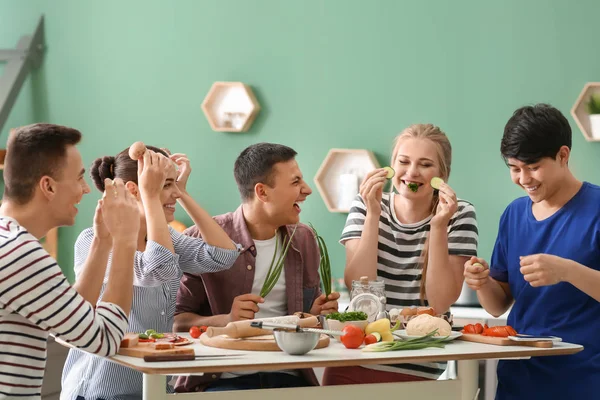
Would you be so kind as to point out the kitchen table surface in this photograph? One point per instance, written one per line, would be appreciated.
(462, 388)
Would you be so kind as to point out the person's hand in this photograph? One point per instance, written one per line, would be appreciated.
(183, 163)
(544, 269)
(152, 173)
(476, 273)
(100, 230)
(371, 190)
(447, 205)
(324, 305)
(120, 212)
(245, 306)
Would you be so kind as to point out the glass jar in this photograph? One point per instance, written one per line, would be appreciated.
(374, 305)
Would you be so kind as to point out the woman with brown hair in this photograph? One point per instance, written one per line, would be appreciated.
(162, 256)
(415, 239)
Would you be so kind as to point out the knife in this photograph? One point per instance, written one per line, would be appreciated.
(523, 337)
(184, 357)
(273, 326)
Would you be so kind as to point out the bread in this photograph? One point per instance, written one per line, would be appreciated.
(163, 346)
(425, 323)
(137, 150)
(130, 340)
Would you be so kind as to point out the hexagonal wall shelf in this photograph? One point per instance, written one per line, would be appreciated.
(580, 114)
(340, 175)
(230, 107)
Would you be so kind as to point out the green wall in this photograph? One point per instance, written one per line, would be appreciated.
(336, 73)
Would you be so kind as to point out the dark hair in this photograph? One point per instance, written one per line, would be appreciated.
(35, 151)
(121, 166)
(255, 165)
(535, 132)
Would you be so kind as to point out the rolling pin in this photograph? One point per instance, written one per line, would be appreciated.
(242, 329)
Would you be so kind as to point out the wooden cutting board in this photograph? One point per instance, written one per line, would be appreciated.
(147, 349)
(255, 343)
(471, 337)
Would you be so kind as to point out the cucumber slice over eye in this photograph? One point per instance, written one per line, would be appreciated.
(436, 182)
(390, 172)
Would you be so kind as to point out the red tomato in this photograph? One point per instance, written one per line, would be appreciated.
(195, 332)
(353, 337)
(370, 339)
(203, 329)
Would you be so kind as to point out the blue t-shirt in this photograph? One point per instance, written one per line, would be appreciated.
(573, 232)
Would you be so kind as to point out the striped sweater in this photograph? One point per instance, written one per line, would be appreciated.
(399, 259)
(36, 300)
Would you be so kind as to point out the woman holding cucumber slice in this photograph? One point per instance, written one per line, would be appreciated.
(162, 256)
(416, 238)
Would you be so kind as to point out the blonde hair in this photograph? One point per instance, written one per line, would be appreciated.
(444, 152)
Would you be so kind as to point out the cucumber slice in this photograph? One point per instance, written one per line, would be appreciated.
(377, 336)
(436, 182)
(390, 172)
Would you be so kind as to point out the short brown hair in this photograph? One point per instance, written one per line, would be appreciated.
(255, 164)
(35, 151)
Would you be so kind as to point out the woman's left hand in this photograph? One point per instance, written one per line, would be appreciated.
(446, 207)
(184, 169)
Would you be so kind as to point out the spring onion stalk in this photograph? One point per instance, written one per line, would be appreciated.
(324, 263)
(417, 343)
(276, 266)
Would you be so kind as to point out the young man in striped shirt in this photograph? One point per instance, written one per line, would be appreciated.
(44, 182)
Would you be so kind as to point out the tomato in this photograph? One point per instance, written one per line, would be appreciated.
(478, 328)
(203, 329)
(500, 331)
(353, 337)
(370, 339)
(195, 332)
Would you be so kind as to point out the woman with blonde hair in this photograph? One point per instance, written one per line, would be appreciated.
(415, 238)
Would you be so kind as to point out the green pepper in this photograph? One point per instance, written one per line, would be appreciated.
(156, 335)
(143, 336)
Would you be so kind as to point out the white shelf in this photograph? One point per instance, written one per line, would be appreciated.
(230, 107)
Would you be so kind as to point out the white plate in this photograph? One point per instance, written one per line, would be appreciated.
(401, 333)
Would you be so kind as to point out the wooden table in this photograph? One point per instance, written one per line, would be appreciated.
(464, 387)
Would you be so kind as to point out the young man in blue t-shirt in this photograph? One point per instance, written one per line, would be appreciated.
(546, 260)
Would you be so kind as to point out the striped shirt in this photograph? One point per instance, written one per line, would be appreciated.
(35, 300)
(399, 261)
(156, 282)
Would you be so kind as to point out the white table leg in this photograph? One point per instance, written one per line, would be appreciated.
(154, 387)
(468, 375)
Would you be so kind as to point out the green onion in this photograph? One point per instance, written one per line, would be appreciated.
(276, 266)
(324, 263)
(417, 343)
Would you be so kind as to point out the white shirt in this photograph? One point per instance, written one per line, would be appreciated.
(275, 304)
